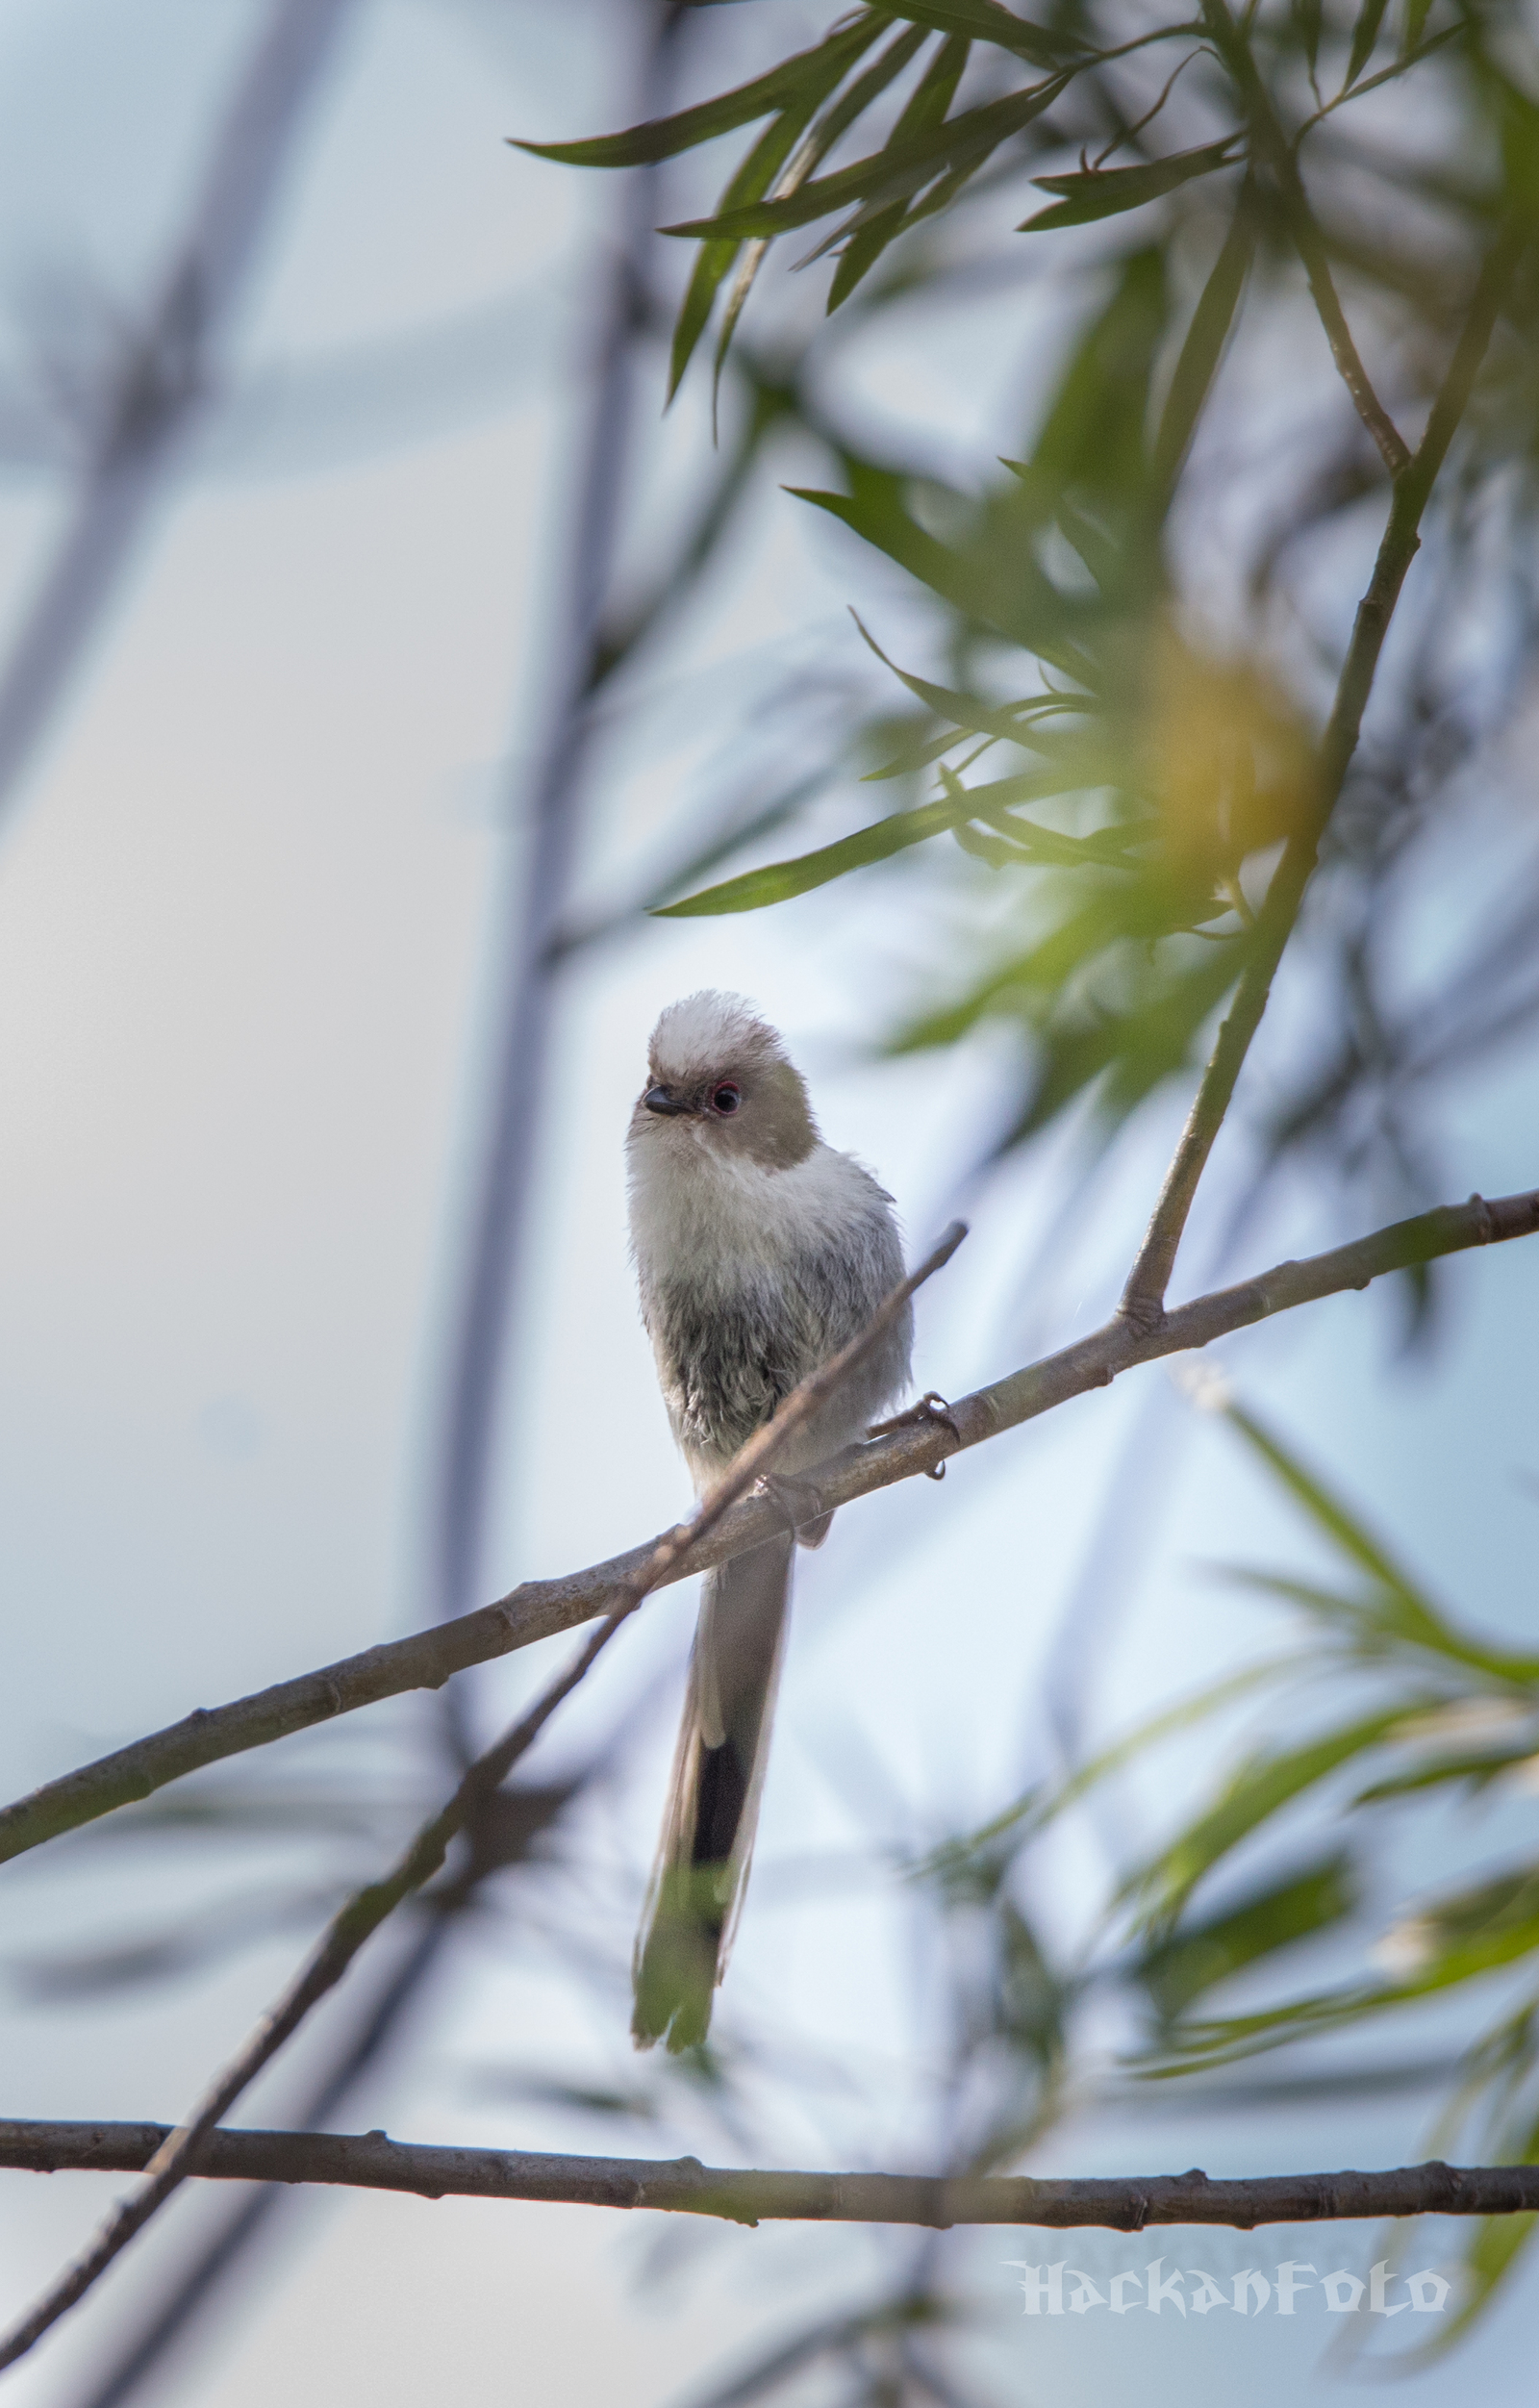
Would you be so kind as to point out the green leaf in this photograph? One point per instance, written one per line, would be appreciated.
(891, 174)
(1488, 2259)
(663, 138)
(1417, 12)
(828, 130)
(1108, 192)
(1478, 1767)
(1131, 1051)
(1093, 436)
(1205, 339)
(1197, 1957)
(1401, 1610)
(924, 110)
(1383, 1621)
(1310, 17)
(984, 20)
(1000, 588)
(714, 260)
(952, 1863)
(1012, 724)
(1323, 1510)
(779, 880)
(1365, 33)
(1258, 1790)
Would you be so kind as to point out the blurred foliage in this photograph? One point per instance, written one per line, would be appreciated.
(1423, 1712)
(1395, 1710)
(1137, 622)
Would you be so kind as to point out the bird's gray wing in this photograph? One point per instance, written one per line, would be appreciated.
(697, 1883)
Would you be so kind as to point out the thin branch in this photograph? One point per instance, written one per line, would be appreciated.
(539, 1608)
(372, 2161)
(1303, 226)
(364, 1914)
(1144, 1297)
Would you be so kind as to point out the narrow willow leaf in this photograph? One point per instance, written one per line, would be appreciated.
(1197, 1956)
(1106, 191)
(1479, 1771)
(1365, 33)
(924, 110)
(1260, 1790)
(1012, 724)
(1092, 438)
(984, 20)
(829, 129)
(1310, 17)
(1416, 16)
(1039, 1807)
(999, 851)
(1025, 609)
(1488, 2259)
(779, 880)
(1383, 1621)
(1205, 339)
(663, 138)
(714, 260)
(752, 181)
(1028, 986)
(1127, 1054)
(1323, 1508)
(886, 174)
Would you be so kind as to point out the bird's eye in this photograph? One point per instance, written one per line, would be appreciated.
(726, 1097)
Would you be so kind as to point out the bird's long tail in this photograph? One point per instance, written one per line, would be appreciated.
(697, 1883)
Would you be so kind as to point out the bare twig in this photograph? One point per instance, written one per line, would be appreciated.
(1144, 1297)
(1126, 2203)
(364, 1914)
(540, 1608)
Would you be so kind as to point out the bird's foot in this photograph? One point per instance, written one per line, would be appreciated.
(797, 1500)
(932, 1410)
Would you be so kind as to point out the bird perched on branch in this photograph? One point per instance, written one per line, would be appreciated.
(760, 1252)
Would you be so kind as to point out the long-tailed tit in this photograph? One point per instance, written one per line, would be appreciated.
(760, 1252)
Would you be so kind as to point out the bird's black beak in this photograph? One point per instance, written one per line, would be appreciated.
(664, 1100)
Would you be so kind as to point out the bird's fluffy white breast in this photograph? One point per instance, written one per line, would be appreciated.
(721, 1219)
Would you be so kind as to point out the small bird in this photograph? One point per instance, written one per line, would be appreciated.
(760, 1252)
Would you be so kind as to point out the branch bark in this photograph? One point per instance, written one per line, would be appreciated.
(1144, 1296)
(539, 1608)
(369, 1908)
(370, 2161)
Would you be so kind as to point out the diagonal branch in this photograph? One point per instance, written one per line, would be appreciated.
(364, 1914)
(539, 1608)
(1144, 1297)
(682, 2186)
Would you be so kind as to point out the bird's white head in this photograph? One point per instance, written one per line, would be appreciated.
(719, 1078)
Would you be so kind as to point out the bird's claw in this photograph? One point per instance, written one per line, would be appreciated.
(798, 1499)
(932, 1408)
